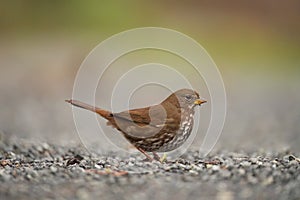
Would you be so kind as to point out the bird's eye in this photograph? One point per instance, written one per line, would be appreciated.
(188, 97)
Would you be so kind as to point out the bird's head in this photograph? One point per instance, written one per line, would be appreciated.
(185, 98)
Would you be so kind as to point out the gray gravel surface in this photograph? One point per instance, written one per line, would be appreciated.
(44, 171)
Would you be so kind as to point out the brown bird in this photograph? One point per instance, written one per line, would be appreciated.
(158, 128)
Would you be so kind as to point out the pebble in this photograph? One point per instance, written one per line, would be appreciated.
(97, 166)
(53, 169)
(254, 160)
(11, 155)
(293, 163)
(241, 175)
(215, 167)
(242, 171)
(245, 164)
(193, 172)
(4, 176)
(268, 181)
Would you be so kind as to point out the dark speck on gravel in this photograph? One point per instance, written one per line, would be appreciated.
(44, 171)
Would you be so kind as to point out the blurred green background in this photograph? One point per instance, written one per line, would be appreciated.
(255, 44)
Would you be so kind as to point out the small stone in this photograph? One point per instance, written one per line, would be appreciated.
(268, 181)
(259, 163)
(208, 166)
(215, 168)
(3, 163)
(28, 177)
(4, 176)
(39, 148)
(84, 164)
(288, 158)
(193, 172)
(242, 171)
(167, 168)
(98, 166)
(11, 155)
(267, 164)
(139, 164)
(131, 159)
(32, 173)
(77, 169)
(45, 146)
(245, 164)
(101, 162)
(254, 160)
(195, 167)
(130, 164)
(293, 162)
(53, 169)
(291, 157)
(182, 166)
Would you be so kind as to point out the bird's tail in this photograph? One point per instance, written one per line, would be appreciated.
(104, 113)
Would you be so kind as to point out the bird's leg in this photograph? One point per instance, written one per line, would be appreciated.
(156, 156)
(144, 152)
(160, 159)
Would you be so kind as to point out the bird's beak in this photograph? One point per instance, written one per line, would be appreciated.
(199, 101)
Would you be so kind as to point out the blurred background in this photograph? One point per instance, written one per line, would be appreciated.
(255, 44)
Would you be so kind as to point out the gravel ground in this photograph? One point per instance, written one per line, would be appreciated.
(44, 171)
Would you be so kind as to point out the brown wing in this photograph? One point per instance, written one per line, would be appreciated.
(144, 122)
(157, 115)
(139, 116)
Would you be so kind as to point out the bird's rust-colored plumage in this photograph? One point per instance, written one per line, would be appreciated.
(157, 128)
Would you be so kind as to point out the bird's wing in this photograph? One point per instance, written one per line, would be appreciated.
(139, 116)
(143, 122)
(154, 116)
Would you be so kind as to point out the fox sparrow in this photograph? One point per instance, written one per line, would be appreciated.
(158, 128)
